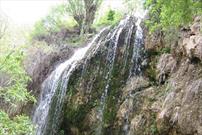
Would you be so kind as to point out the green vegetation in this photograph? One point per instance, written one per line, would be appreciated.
(13, 88)
(110, 17)
(74, 13)
(133, 5)
(18, 125)
(54, 22)
(167, 14)
(13, 91)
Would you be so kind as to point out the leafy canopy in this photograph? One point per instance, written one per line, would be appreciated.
(165, 14)
(56, 19)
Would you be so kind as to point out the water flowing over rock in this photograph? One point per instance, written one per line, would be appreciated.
(124, 41)
(93, 100)
(48, 113)
(118, 85)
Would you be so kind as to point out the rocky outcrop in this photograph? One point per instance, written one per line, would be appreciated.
(125, 88)
(94, 88)
(41, 63)
(164, 99)
(192, 45)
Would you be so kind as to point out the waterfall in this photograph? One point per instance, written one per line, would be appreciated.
(138, 51)
(124, 41)
(48, 112)
(136, 68)
(111, 55)
(113, 42)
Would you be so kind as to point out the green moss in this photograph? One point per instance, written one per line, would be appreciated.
(77, 115)
(154, 130)
(93, 79)
(153, 127)
(150, 72)
(165, 50)
(92, 76)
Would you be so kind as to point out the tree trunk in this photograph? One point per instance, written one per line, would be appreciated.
(90, 7)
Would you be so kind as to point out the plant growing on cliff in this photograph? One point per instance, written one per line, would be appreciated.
(110, 17)
(19, 125)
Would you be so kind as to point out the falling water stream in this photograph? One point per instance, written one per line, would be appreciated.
(136, 68)
(47, 114)
(113, 42)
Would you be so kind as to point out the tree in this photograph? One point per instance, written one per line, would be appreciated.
(133, 5)
(76, 9)
(83, 12)
(3, 25)
(91, 7)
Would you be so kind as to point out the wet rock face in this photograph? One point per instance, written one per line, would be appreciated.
(164, 99)
(41, 64)
(95, 87)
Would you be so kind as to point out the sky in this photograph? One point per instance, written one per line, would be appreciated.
(27, 12)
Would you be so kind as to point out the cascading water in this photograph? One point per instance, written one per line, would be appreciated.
(138, 51)
(113, 42)
(136, 68)
(124, 42)
(111, 55)
(47, 114)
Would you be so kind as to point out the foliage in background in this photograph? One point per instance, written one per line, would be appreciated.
(13, 86)
(68, 15)
(110, 17)
(19, 125)
(166, 14)
(83, 11)
(14, 91)
(133, 5)
(76, 9)
(57, 19)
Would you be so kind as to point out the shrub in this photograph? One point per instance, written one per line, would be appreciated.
(19, 125)
(110, 17)
(15, 91)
